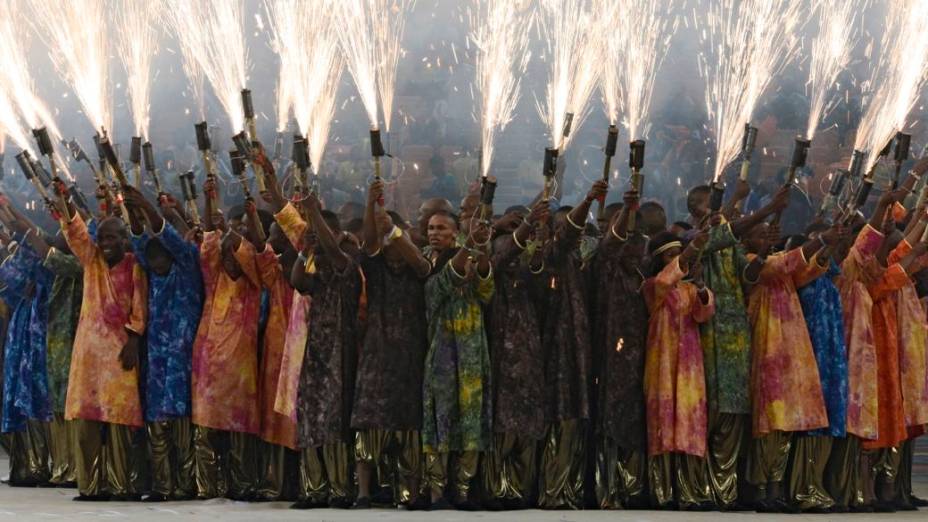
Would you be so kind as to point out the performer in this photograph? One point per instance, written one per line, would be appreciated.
(457, 409)
(510, 471)
(175, 304)
(620, 320)
(224, 384)
(387, 411)
(103, 386)
(326, 385)
(565, 336)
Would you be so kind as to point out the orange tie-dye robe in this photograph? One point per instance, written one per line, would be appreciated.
(114, 302)
(857, 270)
(275, 428)
(890, 415)
(913, 347)
(225, 354)
(786, 390)
(674, 378)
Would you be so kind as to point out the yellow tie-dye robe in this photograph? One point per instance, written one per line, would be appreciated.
(913, 350)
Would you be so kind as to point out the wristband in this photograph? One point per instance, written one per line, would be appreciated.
(578, 227)
(620, 238)
(515, 238)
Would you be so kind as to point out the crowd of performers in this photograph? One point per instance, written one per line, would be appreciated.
(471, 360)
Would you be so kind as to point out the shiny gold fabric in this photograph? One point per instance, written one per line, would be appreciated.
(437, 466)
(768, 458)
(806, 488)
(139, 461)
(61, 435)
(563, 461)
(242, 464)
(314, 484)
(680, 478)
(103, 468)
(842, 473)
(509, 468)
(172, 458)
(338, 465)
(885, 463)
(29, 455)
(620, 474)
(272, 465)
(210, 467)
(904, 478)
(726, 433)
(398, 457)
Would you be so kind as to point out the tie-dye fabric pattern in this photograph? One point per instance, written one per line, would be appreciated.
(65, 300)
(913, 354)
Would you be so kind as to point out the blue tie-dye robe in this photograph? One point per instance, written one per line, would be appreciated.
(821, 305)
(25, 376)
(175, 302)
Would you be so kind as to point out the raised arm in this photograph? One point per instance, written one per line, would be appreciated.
(618, 227)
(327, 239)
(778, 203)
(372, 243)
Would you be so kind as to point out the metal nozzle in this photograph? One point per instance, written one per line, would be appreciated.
(247, 106)
(242, 144)
(857, 163)
(612, 140)
(800, 153)
(25, 164)
(568, 122)
(863, 193)
(279, 146)
(43, 141)
(377, 149)
(184, 189)
(488, 191)
(636, 154)
(149, 156)
(838, 181)
(135, 150)
(98, 142)
(550, 165)
(300, 152)
(191, 185)
(903, 143)
(888, 148)
(238, 163)
(748, 140)
(716, 196)
(78, 198)
(203, 142)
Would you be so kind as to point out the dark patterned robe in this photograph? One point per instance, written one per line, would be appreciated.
(621, 323)
(327, 378)
(388, 394)
(515, 346)
(565, 335)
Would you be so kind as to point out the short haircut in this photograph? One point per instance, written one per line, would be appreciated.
(398, 220)
(697, 192)
(683, 225)
(331, 219)
(354, 226)
(450, 215)
(650, 206)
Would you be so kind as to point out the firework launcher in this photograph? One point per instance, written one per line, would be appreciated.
(188, 189)
(205, 145)
(248, 107)
(300, 157)
(901, 154)
(278, 149)
(148, 155)
(568, 124)
(46, 149)
(550, 170)
(135, 158)
(838, 182)
(800, 154)
(377, 151)
(79, 155)
(78, 198)
(28, 169)
(747, 149)
(109, 153)
(487, 192)
(636, 163)
(716, 195)
(238, 170)
(612, 139)
(246, 150)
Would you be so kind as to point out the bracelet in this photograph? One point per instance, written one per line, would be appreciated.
(822, 241)
(515, 238)
(540, 269)
(620, 238)
(394, 233)
(578, 227)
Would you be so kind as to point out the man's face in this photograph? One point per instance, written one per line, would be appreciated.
(469, 206)
(160, 263)
(111, 238)
(441, 232)
(756, 240)
(699, 205)
(229, 263)
(218, 220)
(277, 239)
(653, 221)
(428, 208)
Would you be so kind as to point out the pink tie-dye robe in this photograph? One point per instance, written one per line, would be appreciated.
(225, 354)
(913, 348)
(674, 378)
(786, 391)
(856, 271)
(114, 301)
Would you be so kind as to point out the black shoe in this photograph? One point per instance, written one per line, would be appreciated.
(819, 510)
(905, 505)
(494, 504)
(183, 497)
(128, 497)
(861, 509)
(91, 498)
(362, 503)
(421, 503)
(383, 496)
(839, 509)
(918, 502)
(466, 505)
(308, 504)
(884, 507)
(46, 485)
(155, 497)
(515, 504)
(702, 506)
(65, 485)
(239, 497)
(340, 503)
(441, 504)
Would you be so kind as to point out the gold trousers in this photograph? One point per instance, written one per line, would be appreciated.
(768, 458)
(173, 458)
(439, 468)
(325, 473)
(563, 463)
(277, 468)
(680, 478)
(510, 470)
(904, 479)
(843, 472)
(725, 448)
(806, 483)
(883, 466)
(29, 455)
(620, 475)
(225, 463)
(398, 457)
(103, 458)
(61, 435)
